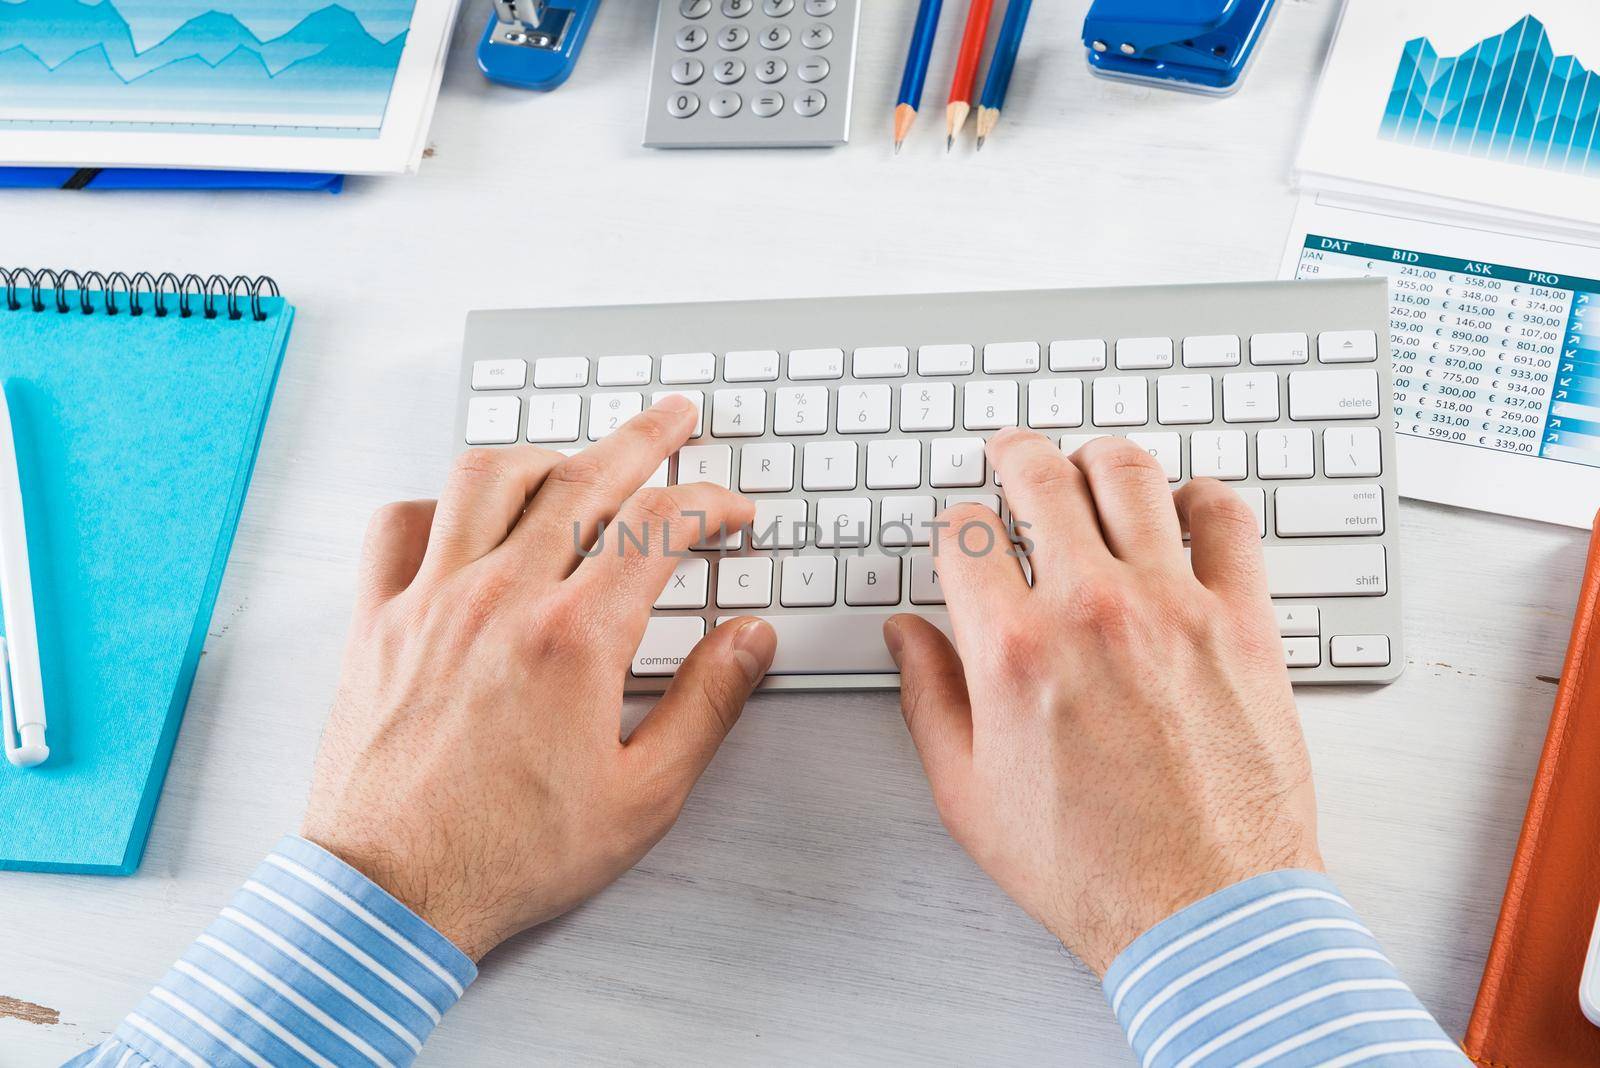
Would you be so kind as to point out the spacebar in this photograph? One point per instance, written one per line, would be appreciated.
(849, 643)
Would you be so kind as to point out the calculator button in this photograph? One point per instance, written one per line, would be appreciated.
(691, 39)
(737, 9)
(776, 9)
(729, 71)
(775, 38)
(813, 70)
(682, 105)
(819, 8)
(810, 104)
(772, 70)
(767, 104)
(694, 9)
(818, 36)
(687, 71)
(727, 104)
(733, 38)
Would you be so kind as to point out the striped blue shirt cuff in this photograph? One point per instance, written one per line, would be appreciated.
(1276, 970)
(311, 964)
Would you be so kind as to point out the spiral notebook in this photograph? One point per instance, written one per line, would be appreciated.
(138, 405)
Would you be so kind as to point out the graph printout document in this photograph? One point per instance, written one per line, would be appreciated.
(1489, 108)
(1496, 355)
(335, 86)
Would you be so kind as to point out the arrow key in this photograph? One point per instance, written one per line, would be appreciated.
(1359, 650)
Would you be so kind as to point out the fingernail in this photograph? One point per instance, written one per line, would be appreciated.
(753, 647)
(893, 638)
(1003, 435)
(673, 402)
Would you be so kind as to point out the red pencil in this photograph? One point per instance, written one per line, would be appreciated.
(966, 78)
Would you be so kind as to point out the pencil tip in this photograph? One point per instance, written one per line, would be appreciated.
(981, 140)
(949, 144)
(897, 145)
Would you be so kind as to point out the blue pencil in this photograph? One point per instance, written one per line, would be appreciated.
(916, 76)
(1001, 66)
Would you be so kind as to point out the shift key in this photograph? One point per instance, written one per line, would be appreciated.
(1327, 570)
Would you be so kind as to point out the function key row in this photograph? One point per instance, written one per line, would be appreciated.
(895, 361)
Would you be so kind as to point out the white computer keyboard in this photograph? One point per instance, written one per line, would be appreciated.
(852, 422)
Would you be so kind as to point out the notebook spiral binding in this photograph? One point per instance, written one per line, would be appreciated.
(39, 289)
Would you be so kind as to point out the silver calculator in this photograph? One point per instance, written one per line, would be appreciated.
(752, 74)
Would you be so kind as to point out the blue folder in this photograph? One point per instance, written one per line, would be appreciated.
(136, 438)
(157, 178)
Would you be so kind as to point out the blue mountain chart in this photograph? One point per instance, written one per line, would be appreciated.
(1508, 98)
(75, 64)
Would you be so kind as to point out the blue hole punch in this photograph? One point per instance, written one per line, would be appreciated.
(1200, 45)
(534, 44)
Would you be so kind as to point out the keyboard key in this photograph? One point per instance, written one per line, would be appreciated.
(844, 522)
(801, 410)
(945, 360)
(1088, 354)
(1328, 511)
(894, 465)
(811, 365)
(499, 374)
(780, 524)
(1166, 448)
(554, 417)
(622, 371)
(766, 468)
(561, 372)
(1121, 402)
(1268, 350)
(744, 582)
(829, 465)
(989, 405)
(687, 586)
(1326, 570)
(1071, 443)
(1054, 403)
(1250, 397)
(1352, 452)
(1143, 353)
(957, 462)
(694, 395)
(1284, 454)
(687, 368)
(662, 476)
(807, 582)
(1011, 358)
(1298, 620)
(1217, 454)
(883, 361)
(846, 643)
(988, 500)
(1184, 399)
(608, 411)
(864, 410)
(667, 642)
(1254, 497)
(760, 365)
(905, 521)
(706, 463)
(1349, 346)
(739, 413)
(493, 420)
(928, 406)
(872, 581)
(1211, 350)
(1333, 395)
(1302, 652)
(1359, 650)
(925, 585)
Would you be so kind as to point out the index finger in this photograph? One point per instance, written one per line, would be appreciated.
(979, 570)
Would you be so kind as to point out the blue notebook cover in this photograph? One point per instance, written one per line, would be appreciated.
(136, 438)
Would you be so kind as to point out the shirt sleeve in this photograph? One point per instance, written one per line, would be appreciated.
(311, 964)
(1276, 970)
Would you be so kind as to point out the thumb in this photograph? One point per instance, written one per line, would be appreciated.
(933, 699)
(683, 732)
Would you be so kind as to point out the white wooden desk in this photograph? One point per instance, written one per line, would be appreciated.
(808, 908)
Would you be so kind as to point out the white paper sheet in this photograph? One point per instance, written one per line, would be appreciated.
(1496, 355)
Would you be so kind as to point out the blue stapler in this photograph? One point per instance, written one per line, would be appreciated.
(534, 44)
(1200, 45)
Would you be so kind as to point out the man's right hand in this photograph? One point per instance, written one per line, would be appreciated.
(1118, 740)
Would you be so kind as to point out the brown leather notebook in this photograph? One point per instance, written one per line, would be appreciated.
(1527, 1013)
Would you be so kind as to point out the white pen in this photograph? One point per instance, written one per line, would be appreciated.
(21, 686)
